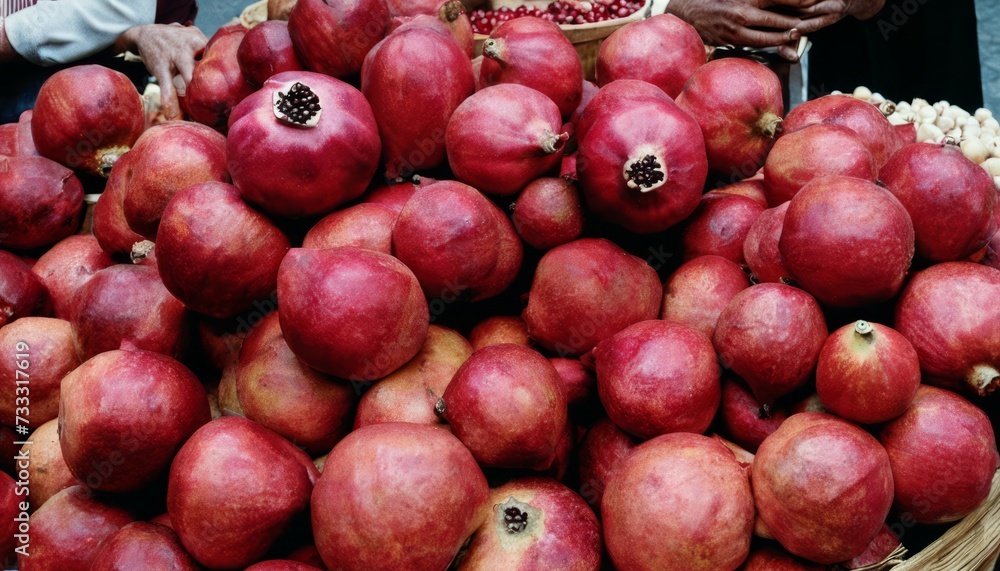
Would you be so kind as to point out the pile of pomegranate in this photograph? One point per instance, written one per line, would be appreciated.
(377, 306)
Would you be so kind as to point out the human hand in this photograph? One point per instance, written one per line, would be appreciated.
(827, 12)
(168, 51)
(739, 22)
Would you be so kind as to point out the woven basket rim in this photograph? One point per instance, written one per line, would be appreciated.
(639, 14)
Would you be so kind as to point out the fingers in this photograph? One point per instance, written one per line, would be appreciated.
(168, 96)
(812, 25)
(185, 65)
(757, 18)
(825, 7)
(800, 4)
(788, 52)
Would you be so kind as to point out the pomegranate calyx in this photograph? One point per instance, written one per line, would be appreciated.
(769, 125)
(493, 49)
(863, 328)
(985, 379)
(887, 108)
(140, 251)
(108, 159)
(452, 10)
(553, 143)
(645, 173)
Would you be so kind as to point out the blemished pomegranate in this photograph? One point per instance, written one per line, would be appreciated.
(110, 226)
(949, 314)
(46, 347)
(612, 97)
(522, 432)
(742, 419)
(600, 451)
(950, 199)
(719, 226)
(698, 291)
(48, 471)
(336, 322)
(266, 50)
(374, 479)
(737, 103)
(841, 494)
(549, 213)
(862, 117)
(867, 373)
(497, 330)
(332, 37)
(586, 291)
(42, 202)
(447, 17)
(943, 455)
(578, 380)
(663, 50)
(760, 248)
(87, 116)
(303, 145)
(847, 241)
(22, 292)
(217, 82)
(771, 336)
(367, 226)
(67, 266)
(143, 545)
(655, 484)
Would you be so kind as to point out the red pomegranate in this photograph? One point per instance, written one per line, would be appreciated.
(15, 138)
(698, 291)
(604, 446)
(991, 257)
(143, 545)
(760, 248)
(110, 226)
(774, 558)
(281, 565)
(742, 419)
(48, 472)
(549, 213)
(859, 116)
(67, 266)
(395, 195)
(217, 82)
(880, 549)
(719, 226)
(87, 116)
(611, 97)
(663, 50)
(497, 330)
(294, 160)
(41, 203)
(266, 50)
(367, 226)
(332, 37)
(589, 90)
(447, 17)
(45, 347)
(752, 188)
(22, 292)
(578, 380)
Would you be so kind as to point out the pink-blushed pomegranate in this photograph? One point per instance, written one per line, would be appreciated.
(950, 199)
(642, 165)
(497, 330)
(110, 225)
(839, 496)
(771, 336)
(167, 159)
(42, 352)
(504, 137)
(760, 247)
(217, 82)
(859, 116)
(395, 195)
(10, 510)
(814, 152)
(698, 291)
(22, 292)
(742, 419)
(266, 50)
(535, 53)
(991, 255)
(143, 545)
(943, 454)
(719, 226)
(847, 241)
(335, 321)
(215, 253)
(906, 134)
(87, 116)
(657, 377)
(537, 523)
(578, 380)
(281, 393)
(414, 80)
(303, 145)
(613, 95)
(687, 487)
(447, 17)
(366, 225)
(737, 103)
(774, 558)
(458, 244)
(586, 291)
(949, 314)
(879, 550)
(67, 266)
(603, 447)
(47, 471)
(15, 138)
(281, 565)
(378, 479)
(549, 213)
(752, 188)
(333, 36)
(663, 50)
(42, 202)
(867, 373)
(234, 487)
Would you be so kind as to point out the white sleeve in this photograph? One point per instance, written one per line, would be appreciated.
(63, 31)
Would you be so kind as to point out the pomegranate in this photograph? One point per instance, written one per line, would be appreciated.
(22, 292)
(867, 373)
(774, 558)
(234, 488)
(760, 248)
(840, 495)
(950, 199)
(217, 83)
(604, 446)
(742, 419)
(47, 470)
(949, 314)
(752, 188)
(588, 91)
(266, 50)
(612, 97)
(414, 80)
(500, 431)
(991, 256)
(42, 202)
(142, 545)
(504, 137)
(110, 226)
(698, 291)
(536, 523)
(281, 565)
(446, 17)
(333, 36)
(458, 244)
(943, 455)
(87, 116)
(879, 550)
(737, 102)
(847, 241)
(363, 505)
(229, 400)
(67, 266)
(498, 330)
(395, 195)
(771, 336)
(10, 510)
(657, 377)
(859, 116)
(813, 152)
(534, 53)
(663, 50)
(586, 291)
(577, 379)
(15, 138)
(335, 321)
(562, 13)
(367, 226)
(294, 160)
(687, 487)
(548, 213)
(41, 353)
(719, 226)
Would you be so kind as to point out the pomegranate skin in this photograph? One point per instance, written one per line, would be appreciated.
(143, 545)
(48, 471)
(950, 199)
(609, 98)
(22, 292)
(397, 496)
(774, 558)
(771, 336)
(879, 550)
(742, 419)
(497, 330)
(395, 195)
(267, 50)
(10, 509)
(687, 487)
(698, 291)
(992, 255)
(458, 244)
(752, 188)
(663, 50)
(15, 138)
(448, 18)
(67, 266)
(943, 455)
(414, 80)
(367, 226)
(87, 116)
(760, 248)
(604, 446)
(657, 377)
(847, 241)
(336, 322)
(814, 152)
(110, 226)
(737, 103)
(534, 53)
(867, 373)
(578, 380)
(549, 213)
(503, 137)
(949, 314)
(719, 226)
(332, 37)
(217, 83)
(859, 116)
(42, 202)
(45, 347)
(281, 565)
(586, 291)
(292, 171)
